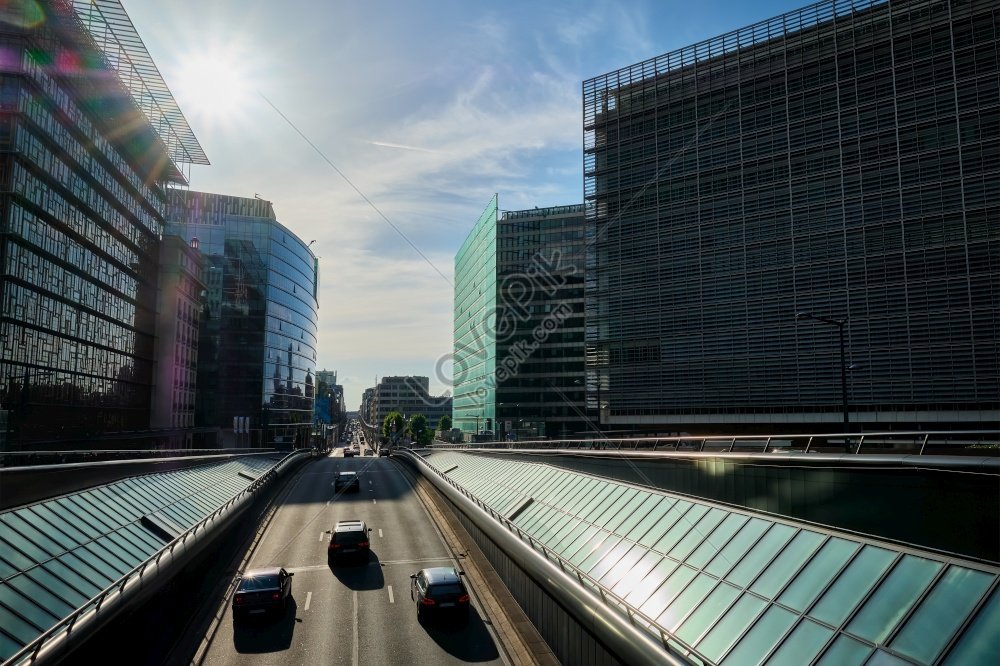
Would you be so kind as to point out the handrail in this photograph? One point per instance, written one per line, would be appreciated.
(30, 652)
(919, 441)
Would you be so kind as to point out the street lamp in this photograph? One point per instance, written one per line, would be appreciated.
(839, 323)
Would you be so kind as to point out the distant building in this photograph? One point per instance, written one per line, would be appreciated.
(258, 338)
(519, 302)
(178, 319)
(839, 161)
(409, 395)
(86, 153)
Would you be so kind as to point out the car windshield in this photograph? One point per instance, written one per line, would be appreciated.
(443, 590)
(266, 582)
(350, 537)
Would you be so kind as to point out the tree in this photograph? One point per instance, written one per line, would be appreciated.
(393, 419)
(419, 429)
(444, 423)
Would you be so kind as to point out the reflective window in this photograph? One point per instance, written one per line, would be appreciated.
(668, 591)
(611, 559)
(702, 529)
(636, 517)
(728, 630)
(614, 574)
(627, 512)
(852, 585)
(660, 527)
(787, 564)
(845, 651)
(760, 555)
(979, 643)
(707, 612)
(802, 645)
(737, 547)
(801, 592)
(644, 578)
(893, 598)
(697, 590)
(683, 525)
(763, 635)
(941, 612)
(717, 540)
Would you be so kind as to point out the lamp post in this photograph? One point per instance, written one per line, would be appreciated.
(839, 323)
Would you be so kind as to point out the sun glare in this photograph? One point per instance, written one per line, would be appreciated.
(215, 87)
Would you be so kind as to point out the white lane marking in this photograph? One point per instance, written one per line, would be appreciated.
(309, 596)
(373, 501)
(355, 653)
(321, 535)
(391, 600)
(380, 533)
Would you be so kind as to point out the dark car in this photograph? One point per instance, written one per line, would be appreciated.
(440, 591)
(347, 481)
(348, 452)
(262, 592)
(349, 540)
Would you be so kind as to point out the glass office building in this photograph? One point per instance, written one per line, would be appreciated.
(541, 390)
(519, 354)
(89, 135)
(257, 347)
(474, 362)
(842, 162)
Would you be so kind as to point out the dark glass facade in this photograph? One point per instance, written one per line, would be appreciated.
(842, 160)
(541, 389)
(519, 352)
(81, 209)
(257, 346)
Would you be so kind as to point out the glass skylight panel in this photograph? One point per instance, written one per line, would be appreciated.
(978, 645)
(760, 555)
(683, 603)
(737, 547)
(683, 525)
(615, 509)
(643, 578)
(41, 595)
(802, 645)
(762, 636)
(806, 586)
(22, 631)
(941, 612)
(727, 630)
(599, 501)
(695, 535)
(29, 532)
(26, 608)
(614, 574)
(894, 597)
(598, 553)
(633, 516)
(668, 591)
(852, 585)
(661, 527)
(707, 612)
(46, 578)
(611, 559)
(647, 524)
(588, 541)
(787, 563)
(717, 539)
(570, 541)
(87, 587)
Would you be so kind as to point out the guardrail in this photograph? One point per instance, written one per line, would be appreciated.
(632, 648)
(132, 582)
(947, 442)
(32, 458)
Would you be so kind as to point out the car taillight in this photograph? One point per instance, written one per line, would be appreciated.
(334, 546)
(427, 601)
(238, 599)
(275, 595)
(362, 544)
(464, 599)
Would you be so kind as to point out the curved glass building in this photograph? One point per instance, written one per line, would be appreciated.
(257, 352)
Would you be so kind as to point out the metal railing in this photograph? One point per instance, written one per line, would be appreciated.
(939, 442)
(31, 652)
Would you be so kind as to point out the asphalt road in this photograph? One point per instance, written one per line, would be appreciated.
(351, 613)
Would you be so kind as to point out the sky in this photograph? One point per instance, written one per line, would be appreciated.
(380, 129)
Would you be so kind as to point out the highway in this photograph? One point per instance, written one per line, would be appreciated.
(340, 614)
(350, 613)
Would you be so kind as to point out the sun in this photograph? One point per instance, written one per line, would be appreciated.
(215, 87)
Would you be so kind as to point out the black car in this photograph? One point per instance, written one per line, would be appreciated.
(348, 452)
(440, 591)
(262, 592)
(347, 481)
(349, 540)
